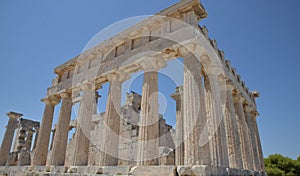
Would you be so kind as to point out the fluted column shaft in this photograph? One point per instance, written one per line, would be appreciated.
(179, 143)
(261, 166)
(148, 151)
(218, 135)
(109, 155)
(196, 146)
(249, 121)
(7, 140)
(62, 130)
(41, 150)
(232, 135)
(243, 131)
(82, 136)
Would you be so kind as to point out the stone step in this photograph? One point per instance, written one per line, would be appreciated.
(197, 170)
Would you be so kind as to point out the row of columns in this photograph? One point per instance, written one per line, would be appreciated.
(210, 133)
(203, 136)
(147, 151)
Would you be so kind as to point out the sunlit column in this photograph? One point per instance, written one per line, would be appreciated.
(62, 130)
(84, 123)
(8, 136)
(109, 156)
(148, 151)
(41, 150)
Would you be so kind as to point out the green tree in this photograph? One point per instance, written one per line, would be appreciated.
(278, 165)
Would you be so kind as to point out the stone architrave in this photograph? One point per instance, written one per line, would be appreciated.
(179, 143)
(243, 131)
(109, 155)
(196, 146)
(148, 139)
(217, 127)
(59, 146)
(41, 150)
(232, 136)
(8, 136)
(82, 136)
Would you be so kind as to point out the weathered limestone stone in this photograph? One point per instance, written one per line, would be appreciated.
(149, 129)
(29, 137)
(8, 136)
(82, 135)
(243, 131)
(112, 120)
(232, 136)
(62, 129)
(196, 149)
(24, 157)
(166, 156)
(41, 150)
(153, 170)
(218, 145)
(113, 170)
(214, 134)
(179, 143)
(249, 121)
(261, 166)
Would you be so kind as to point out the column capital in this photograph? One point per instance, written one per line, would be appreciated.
(87, 85)
(249, 108)
(65, 95)
(119, 75)
(178, 93)
(212, 70)
(51, 100)
(252, 110)
(152, 64)
(255, 94)
(238, 98)
(229, 84)
(14, 115)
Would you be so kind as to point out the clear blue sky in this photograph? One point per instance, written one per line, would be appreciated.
(260, 37)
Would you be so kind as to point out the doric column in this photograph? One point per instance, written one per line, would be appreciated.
(218, 143)
(254, 149)
(109, 155)
(243, 131)
(41, 150)
(261, 166)
(28, 141)
(83, 129)
(60, 142)
(179, 143)
(196, 145)
(148, 151)
(232, 135)
(8, 136)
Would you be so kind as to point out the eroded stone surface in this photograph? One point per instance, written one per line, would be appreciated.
(205, 143)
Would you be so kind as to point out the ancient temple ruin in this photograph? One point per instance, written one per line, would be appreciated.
(216, 131)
